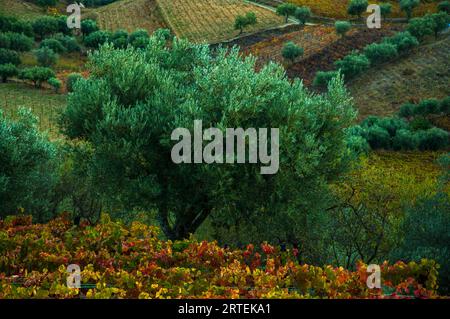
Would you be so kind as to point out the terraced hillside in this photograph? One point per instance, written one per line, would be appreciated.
(423, 74)
(129, 15)
(338, 8)
(19, 8)
(212, 20)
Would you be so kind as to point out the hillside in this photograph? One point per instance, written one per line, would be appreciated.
(212, 20)
(20, 8)
(423, 74)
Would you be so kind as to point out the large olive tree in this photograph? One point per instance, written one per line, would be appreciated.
(128, 108)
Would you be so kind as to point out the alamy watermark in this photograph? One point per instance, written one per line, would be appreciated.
(74, 20)
(235, 139)
(74, 276)
(374, 279)
(374, 20)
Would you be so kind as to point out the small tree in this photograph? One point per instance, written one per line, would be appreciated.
(303, 14)
(9, 56)
(53, 44)
(242, 22)
(380, 52)
(357, 7)
(45, 26)
(444, 6)
(46, 56)
(37, 75)
(440, 22)
(421, 27)
(408, 6)
(404, 41)
(7, 71)
(342, 27)
(323, 78)
(55, 83)
(97, 38)
(19, 42)
(352, 65)
(385, 9)
(291, 51)
(88, 26)
(286, 10)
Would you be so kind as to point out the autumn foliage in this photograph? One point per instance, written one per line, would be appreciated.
(120, 261)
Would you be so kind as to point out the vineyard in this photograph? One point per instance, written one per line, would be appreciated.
(338, 8)
(129, 15)
(212, 20)
(132, 262)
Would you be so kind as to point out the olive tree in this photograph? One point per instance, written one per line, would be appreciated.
(134, 99)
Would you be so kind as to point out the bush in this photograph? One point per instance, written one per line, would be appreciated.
(71, 80)
(9, 56)
(378, 53)
(404, 41)
(421, 27)
(303, 14)
(97, 38)
(55, 83)
(45, 25)
(69, 43)
(420, 123)
(440, 20)
(286, 10)
(425, 107)
(7, 70)
(444, 6)
(405, 140)
(88, 26)
(385, 9)
(16, 41)
(37, 75)
(242, 22)
(392, 124)
(408, 6)
(12, 24)
(342, 27)
(53, 44)
(445, 105)
(27, 167)
(291, 51)
(407, 110)
(46, 57)
(46, 3)
(357, 7)
(378, 137)
(357, 145)
(323, 78)
(433, 139)
(352, 65)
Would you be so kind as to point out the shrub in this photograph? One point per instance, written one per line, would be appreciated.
(242, 22)
(342, 27)
(357, 145)
(55, 83)
(407, 110)
(12, 24)
(440, 22)
(69, 43)
(386, 9)
(420, 123)
(88, 26)
(433, 139)
(408, 6)
(7, 70)
(71, 80)
(27, 167)
(378, 53)
(392, 124)
(5, 43)
(421, 27)
(445, 105)
(53, 44)
(378, 137)
(405, 140)
(291, 51)
(444, 6)
(352, 65)
(46, 3)
(46, 57)
(430, 106)
(19, 42)
(404, 41)
(323, 78)
(45, 25)
(357, 7)
(37, 75)
(139, 33)
(9, 56)
(97, 38)
(286, 10)
(302, 14)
